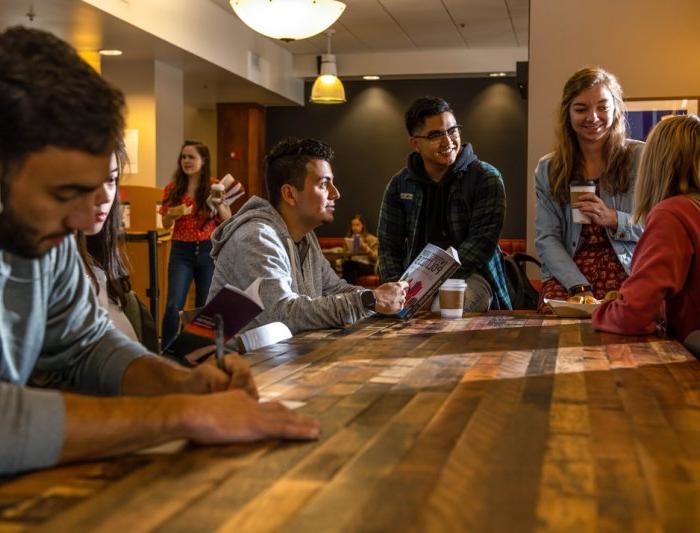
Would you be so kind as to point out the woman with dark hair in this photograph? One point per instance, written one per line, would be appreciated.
(106, 266)
(664, 286)
(195, 214)
(591, 255)
(360, 240)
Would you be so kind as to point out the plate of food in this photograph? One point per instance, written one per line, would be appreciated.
(566, 309)
(578, 306)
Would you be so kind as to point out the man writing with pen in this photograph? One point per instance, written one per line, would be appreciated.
(59, 122)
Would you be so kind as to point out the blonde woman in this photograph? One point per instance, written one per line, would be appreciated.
(665, 277)
(592, 258)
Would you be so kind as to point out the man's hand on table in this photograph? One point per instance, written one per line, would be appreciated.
(390, 297)
(233, 416)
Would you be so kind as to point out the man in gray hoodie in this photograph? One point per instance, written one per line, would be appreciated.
(59, 123)
(274, 240)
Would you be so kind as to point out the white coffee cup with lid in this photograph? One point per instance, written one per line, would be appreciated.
(577, 189)
(451, 297)
(217, 190)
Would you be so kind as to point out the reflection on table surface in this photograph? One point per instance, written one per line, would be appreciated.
(500, 422)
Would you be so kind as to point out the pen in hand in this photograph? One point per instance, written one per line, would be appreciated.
(219, 341)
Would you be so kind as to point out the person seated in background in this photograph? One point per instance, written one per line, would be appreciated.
(590, 258)
(59, 125)
(274, 240)
(664, 282)
(447, 197)
(360, 240)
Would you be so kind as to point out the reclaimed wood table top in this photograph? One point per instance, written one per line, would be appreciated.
(488, 423)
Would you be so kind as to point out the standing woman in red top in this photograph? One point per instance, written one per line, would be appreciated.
(185, 206)
(664, 284)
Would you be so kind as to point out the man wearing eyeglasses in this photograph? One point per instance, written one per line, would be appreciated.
(448, 197)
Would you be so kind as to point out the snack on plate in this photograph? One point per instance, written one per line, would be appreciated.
(611, 295)
(179, 210)
(581, 299)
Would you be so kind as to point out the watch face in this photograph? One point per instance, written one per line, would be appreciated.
(368, 300)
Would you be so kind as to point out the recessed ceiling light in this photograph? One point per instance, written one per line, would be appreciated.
(110, 52)
(370, 77)
(497, 74)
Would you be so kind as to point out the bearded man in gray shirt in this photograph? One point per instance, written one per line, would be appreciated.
(59, 123)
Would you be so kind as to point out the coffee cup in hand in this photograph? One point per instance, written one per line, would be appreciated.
(577, 189)
(217, 191)
(451, 297)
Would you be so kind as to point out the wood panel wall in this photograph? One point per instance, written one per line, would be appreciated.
(241, 145)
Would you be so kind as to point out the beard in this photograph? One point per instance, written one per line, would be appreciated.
(16, 237)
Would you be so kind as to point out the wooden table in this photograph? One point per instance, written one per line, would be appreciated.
(492, 423)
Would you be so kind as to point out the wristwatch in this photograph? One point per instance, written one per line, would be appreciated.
(368, 300)
(578, 289)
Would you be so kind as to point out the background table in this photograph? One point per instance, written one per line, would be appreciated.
(337, 257)
(498, 423)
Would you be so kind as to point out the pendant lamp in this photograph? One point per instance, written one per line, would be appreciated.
(328, 89)
(288, 20)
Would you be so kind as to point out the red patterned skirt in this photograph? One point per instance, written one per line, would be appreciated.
(597, 261)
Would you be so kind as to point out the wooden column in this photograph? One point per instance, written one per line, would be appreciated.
(241, 145)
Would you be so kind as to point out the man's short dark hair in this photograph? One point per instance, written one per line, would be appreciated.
(49, 96)
(286, 163)
(424, 107)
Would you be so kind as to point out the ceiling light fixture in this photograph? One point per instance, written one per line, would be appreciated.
(328, 89)
(288, 20)
(110, 52)
(370, 77)
(497, 75)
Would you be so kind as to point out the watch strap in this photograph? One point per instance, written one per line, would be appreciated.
(578, 289)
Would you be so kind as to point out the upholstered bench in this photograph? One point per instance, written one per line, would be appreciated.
(509, 246)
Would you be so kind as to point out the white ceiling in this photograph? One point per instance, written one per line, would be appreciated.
(418, 34)
(415, 25)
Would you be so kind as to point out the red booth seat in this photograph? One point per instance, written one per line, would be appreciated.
(509, 246)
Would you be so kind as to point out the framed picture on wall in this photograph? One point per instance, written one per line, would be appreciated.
(642, 115)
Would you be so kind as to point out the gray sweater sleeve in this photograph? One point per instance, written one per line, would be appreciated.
(82, 350)
(67, 341)
(256, 250)
(32, 425)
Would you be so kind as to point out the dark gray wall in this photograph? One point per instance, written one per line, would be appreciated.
(371, 145)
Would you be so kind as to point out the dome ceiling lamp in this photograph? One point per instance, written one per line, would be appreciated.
(288, 20)
(328, 89)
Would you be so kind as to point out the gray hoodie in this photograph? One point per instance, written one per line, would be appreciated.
(255, 243)
(53, 330)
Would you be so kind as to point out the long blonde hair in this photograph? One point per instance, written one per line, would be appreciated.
(670, 164)
(566, 164)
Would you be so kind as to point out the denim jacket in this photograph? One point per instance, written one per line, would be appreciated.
(557, 237)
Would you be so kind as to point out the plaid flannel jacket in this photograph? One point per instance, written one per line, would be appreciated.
(474, 224)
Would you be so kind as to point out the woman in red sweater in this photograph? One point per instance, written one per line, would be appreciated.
(186, 206)
(663, 288)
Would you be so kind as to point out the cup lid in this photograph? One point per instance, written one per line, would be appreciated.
(582, 183)
(454, 284)
(218, 186)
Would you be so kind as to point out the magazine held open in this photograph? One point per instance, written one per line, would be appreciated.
(425, 275)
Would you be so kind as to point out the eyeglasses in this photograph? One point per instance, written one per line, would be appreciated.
(437, 135)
